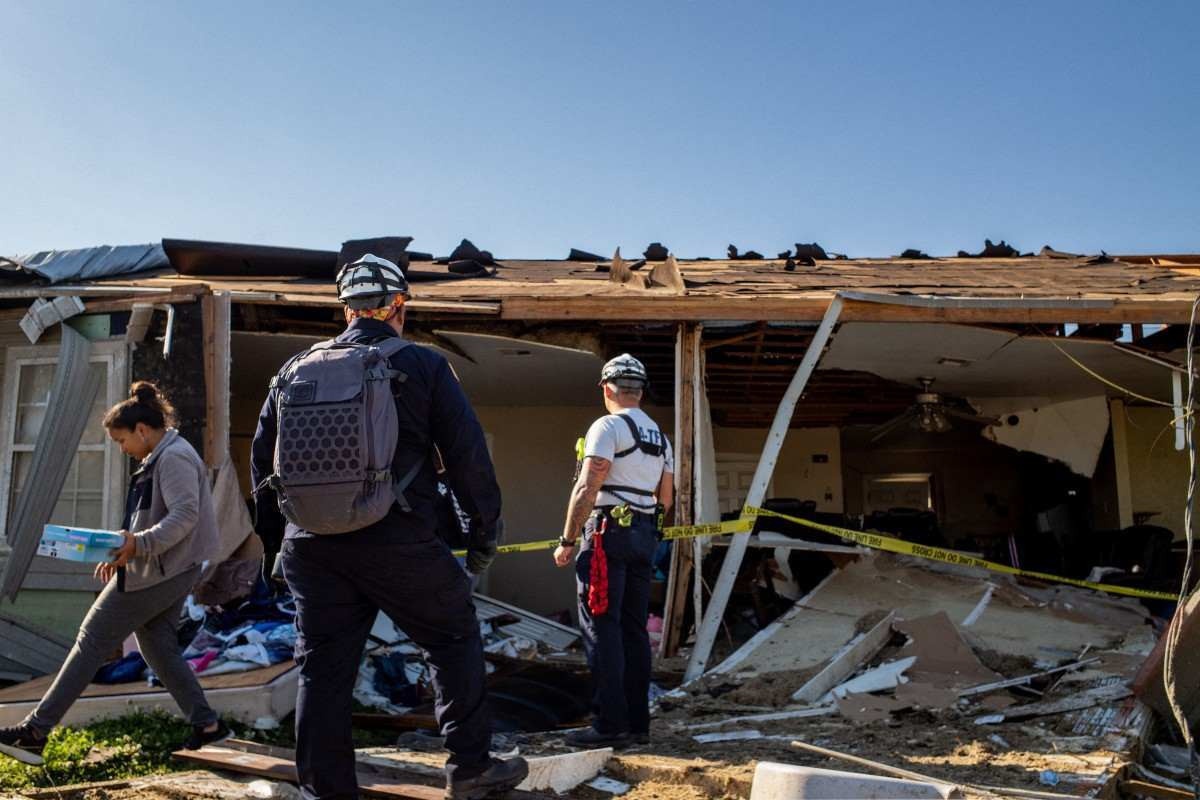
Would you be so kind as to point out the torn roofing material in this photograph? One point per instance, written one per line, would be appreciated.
(91, 263)
(531, 626)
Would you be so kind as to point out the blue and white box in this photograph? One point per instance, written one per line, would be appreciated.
(78, 544)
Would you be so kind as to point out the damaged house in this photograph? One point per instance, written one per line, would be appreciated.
(1026, 409)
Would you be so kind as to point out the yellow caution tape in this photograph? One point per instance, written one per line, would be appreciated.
(875, 541)
(743, 525)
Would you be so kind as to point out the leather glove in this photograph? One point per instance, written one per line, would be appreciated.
(480, 557)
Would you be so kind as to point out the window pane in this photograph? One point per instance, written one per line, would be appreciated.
(33, 393)
(94, 432)
(89, 513)
(64, 510)
(90, 468)
(81, 501)
(20, 469)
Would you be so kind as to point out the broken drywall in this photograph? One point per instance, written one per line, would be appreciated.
(1071, 431)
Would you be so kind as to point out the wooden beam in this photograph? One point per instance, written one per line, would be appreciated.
(329, 300)
(686, 351)
(751, 307)
(702, 425)
(711, 624)
(126, 303)
(1120, 439)
(215, 310)
(284, 769)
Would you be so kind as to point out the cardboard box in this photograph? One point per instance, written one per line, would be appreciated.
(78, 544)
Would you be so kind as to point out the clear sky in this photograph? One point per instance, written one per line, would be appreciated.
(532, 127)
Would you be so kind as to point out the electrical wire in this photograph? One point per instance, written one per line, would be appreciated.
(1106, 381)
(1175, 630)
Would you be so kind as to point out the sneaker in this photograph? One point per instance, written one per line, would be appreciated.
(22, 743)
(201, 737)
(590, 737)
(500, 776)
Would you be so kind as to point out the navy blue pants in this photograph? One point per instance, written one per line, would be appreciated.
(340, 583)
(616, 642)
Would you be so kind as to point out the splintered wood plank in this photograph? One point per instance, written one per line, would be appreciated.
(284, 769)
(34, 690)
(847, 662)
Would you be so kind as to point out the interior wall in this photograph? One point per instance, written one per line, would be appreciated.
(1158, 473)
(977, 485)
(534, 454)
(809, 466)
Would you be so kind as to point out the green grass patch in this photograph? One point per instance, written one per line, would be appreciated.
(128, 747)
(133, 746)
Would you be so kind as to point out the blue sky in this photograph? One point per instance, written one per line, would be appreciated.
(532, 127)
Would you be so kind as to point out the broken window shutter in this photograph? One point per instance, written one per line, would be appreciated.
(71, 395)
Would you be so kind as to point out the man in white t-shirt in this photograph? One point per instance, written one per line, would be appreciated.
(625, 486)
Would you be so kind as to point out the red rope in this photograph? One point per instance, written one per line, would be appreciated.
(598, 573)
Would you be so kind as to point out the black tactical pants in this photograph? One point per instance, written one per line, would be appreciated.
(616, 642)
(340, 583)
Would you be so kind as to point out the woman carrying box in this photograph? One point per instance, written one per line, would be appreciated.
(170, 530)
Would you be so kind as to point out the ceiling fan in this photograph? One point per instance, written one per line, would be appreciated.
(931, 413)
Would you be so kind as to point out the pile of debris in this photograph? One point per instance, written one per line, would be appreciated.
(529, 659)
(971, 679)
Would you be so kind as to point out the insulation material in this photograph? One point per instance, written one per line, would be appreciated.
(1071, 431)
(71, 396)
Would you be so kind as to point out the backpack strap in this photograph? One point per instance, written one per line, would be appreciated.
(399, 486)
(655, 450)
(388, 346)
(637, 436)
(619, 490)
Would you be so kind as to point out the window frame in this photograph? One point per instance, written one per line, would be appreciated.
(114, 355)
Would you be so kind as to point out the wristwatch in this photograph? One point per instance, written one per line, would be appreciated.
(565, 542)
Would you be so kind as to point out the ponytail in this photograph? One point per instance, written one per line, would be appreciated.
(146, 404)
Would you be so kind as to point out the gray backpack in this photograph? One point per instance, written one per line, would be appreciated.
(336, 436)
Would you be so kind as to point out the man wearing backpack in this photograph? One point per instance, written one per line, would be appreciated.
(345, 446)
(624, 488)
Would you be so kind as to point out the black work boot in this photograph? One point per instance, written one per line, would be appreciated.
(590, 737)
(22, 743)
(500, 776)
(200, 737)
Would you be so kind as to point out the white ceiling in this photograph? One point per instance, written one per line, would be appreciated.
(515, 372)
(999, 363)
(499, 371)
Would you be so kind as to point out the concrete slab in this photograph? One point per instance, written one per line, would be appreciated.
(774, 781)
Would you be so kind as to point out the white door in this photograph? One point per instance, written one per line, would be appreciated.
(735, 473)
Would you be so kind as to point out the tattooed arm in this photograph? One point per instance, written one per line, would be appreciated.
(583, 499)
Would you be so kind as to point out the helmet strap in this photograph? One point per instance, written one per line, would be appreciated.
(383, 314)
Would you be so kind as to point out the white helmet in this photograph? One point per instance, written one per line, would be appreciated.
(370, 282)
(624, 368)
